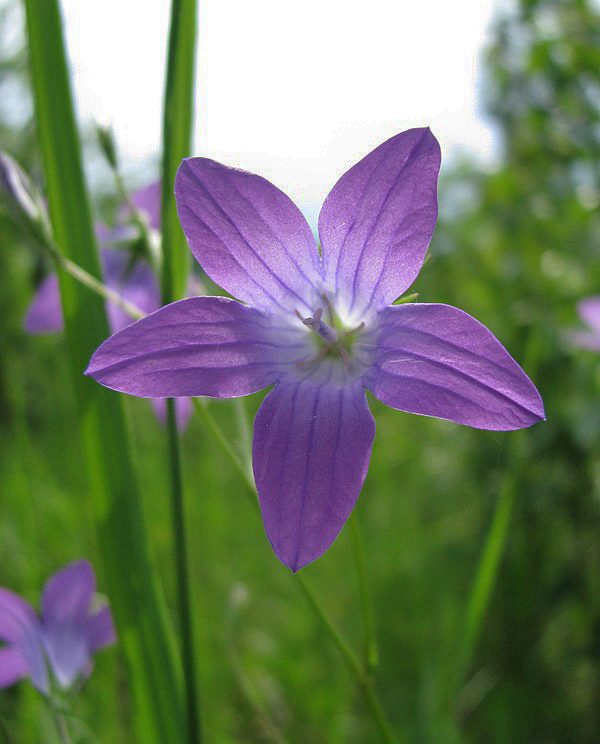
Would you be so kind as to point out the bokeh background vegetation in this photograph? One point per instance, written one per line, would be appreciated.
(517, 247)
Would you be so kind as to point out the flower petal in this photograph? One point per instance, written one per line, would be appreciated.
(438, 361)
(377, 221)
(101, 630)
(68, 594)
(589, 311)
(311, 451)
(13, 667)
(17, 617)
(20, 626)
(248, 236)
(589, 340)
(199, 346)
(45, 311)
(183, 411)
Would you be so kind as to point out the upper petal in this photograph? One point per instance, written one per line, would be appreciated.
(17, 617)
(199, 346)
(68, 594)
(311, 451)
(248, 236)
(20, 626)
(377, 221)
(438, 361)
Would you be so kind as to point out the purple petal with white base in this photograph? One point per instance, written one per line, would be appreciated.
(321, 331)
(199, 346)
(438, 361)
(311, 452)
(377, 222)
(248, 236)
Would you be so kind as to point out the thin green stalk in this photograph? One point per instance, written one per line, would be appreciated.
(61, 726)
(89, 281)
(137, 603)
(363, 679)
(361, 675)
(210, 423)
(181, 566)
(178, 118)
(489, 563)
(371, 655)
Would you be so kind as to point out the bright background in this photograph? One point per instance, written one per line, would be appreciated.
(293, 90)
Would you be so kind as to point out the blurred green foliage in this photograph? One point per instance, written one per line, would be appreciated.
(516, 246)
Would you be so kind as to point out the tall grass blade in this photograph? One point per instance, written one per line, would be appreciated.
(134, 595)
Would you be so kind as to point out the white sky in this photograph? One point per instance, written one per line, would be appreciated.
(297, 91)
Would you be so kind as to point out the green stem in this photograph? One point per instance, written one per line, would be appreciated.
(151, 248)
(178, 116)
(183, 590)
(202, 409)
(371, 655)
(61, 727)
(489, 563)
(361, 675)
(86, 279)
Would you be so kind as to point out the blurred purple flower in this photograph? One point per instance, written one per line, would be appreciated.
(321, 330)
(589, 312)
(61, 641)
(135, 284)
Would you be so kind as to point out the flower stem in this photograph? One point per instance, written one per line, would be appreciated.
(194, 735)
(61, 726)
(362, 675)
(489, 562)
(371, 655)
(87, 279)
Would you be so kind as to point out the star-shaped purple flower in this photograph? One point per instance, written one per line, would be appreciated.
(63, 639)
(589, 312)
(136, 284)
(320, 328)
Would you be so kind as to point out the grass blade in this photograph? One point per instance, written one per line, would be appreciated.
(135, 598)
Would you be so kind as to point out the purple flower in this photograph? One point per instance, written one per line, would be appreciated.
(320, 328)
(61, 641)
(137, 285)
(589, 312)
